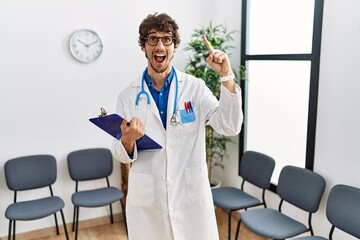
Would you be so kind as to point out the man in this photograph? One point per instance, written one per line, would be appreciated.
(169, 195)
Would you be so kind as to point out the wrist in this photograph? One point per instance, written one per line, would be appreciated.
(227, 77)
(128, 145)
(229, 85)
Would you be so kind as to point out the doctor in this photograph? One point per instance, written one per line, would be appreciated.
(169, 195)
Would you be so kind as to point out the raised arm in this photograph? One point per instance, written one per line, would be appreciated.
(219, 61)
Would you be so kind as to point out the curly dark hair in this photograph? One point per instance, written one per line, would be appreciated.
(159, 22)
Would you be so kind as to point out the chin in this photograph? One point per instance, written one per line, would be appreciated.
(159, 68)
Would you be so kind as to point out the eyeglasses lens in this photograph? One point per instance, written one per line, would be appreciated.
(153, 41)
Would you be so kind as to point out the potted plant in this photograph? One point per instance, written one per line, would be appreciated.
(219, 37)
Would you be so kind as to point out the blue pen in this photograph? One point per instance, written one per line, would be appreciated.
(191, 108)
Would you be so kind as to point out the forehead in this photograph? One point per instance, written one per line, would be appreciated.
(156, 32)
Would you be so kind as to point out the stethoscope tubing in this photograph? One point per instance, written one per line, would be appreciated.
(174, 118)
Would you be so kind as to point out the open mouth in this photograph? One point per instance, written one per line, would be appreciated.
(159, 58)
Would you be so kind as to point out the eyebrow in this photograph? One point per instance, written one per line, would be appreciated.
(154, 32)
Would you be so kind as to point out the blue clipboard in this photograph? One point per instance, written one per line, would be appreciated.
(111, 124)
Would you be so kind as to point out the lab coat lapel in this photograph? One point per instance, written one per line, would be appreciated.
(153, 108)
(143, 102)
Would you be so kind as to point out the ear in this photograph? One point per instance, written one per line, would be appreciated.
(143, 49)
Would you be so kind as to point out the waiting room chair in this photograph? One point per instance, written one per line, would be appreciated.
(92, 164)
(301, 188)
(342, 211)
(255, 168)
(30, 173)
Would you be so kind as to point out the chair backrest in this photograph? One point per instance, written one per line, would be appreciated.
(30, 172)
(343, 209)
(90, 164)
(257, 168)
(301, 187)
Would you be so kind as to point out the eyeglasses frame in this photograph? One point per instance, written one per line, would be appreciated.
(158, 38)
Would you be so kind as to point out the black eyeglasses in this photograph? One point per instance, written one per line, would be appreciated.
(166, 40)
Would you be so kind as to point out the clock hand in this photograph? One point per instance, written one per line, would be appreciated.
(86, 45)
(93, 43)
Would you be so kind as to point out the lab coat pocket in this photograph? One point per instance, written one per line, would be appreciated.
(141, 189)
(188, 125)
(196, 183)
(187, 116)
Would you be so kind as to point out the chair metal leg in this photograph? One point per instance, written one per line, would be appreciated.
(14, 226)
(111, 214)
(77, 222)
(64, 223)
(331, 232)
(56, 224)
(229, 227)
(73, 223)
(237, 229)
(124, 214)
(10, 225)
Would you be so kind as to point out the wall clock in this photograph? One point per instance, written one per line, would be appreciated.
(85, 45)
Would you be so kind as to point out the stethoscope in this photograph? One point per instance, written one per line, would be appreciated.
(174, 118)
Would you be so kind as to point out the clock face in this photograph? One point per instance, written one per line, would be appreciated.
(85, 45)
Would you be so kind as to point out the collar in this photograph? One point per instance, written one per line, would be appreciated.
(168, 80)
(138, 82)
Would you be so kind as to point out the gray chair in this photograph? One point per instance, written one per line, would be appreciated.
(93, 164)
(301, 188)
(30, 173)
(255, 168)
(342, 211)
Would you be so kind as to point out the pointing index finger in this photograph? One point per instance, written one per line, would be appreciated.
(208, 44)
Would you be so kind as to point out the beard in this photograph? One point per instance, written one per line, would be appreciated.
(159, 70)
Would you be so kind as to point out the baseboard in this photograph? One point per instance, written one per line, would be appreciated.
(51, 231)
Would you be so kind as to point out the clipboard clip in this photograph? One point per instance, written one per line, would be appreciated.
(103, 112)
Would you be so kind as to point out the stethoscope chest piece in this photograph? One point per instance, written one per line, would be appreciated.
(174, 120)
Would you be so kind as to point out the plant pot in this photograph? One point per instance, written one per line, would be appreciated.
(215, 183)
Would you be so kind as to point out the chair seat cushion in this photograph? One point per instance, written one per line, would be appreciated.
(34, 209)
(233, 198)
(310, 238)
(97, 198)
(271, 223)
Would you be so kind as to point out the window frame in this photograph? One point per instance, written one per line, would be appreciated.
(313, 57)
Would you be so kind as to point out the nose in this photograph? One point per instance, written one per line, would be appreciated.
(160, 41)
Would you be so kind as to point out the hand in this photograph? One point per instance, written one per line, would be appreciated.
(218, 60)
(130, 132)
(83, 43)
(93, 43)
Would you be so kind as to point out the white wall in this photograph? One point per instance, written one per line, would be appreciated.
(337, 147)
(47, 97)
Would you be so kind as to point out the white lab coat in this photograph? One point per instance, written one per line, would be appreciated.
(169, 195)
